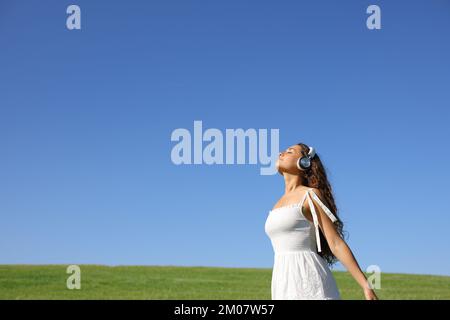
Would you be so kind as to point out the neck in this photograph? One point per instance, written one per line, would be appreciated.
(291, 182)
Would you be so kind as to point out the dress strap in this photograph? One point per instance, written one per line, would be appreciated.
(310, 193)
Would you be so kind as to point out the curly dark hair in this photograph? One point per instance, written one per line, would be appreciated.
(316, 177)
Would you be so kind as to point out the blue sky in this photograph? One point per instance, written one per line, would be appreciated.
(86, 118)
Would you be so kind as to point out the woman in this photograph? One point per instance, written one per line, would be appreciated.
(306, 233)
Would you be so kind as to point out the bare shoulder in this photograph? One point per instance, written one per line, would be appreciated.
(316, 191)
(307, 210)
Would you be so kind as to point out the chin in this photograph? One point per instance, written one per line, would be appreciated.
(277, 165)
(279, 169)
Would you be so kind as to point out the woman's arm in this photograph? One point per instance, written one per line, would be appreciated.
(342, 251)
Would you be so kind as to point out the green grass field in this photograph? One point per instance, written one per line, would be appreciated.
(172, 282)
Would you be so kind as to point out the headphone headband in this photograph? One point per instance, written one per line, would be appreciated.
(312, 152)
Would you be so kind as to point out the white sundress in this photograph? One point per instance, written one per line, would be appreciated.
(299, 272)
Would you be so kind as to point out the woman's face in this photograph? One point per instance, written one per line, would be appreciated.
(287, 160)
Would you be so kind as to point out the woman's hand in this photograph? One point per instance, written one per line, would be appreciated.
(370, 294)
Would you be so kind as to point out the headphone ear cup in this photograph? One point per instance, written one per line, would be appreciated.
(299, 164)
(304, 163)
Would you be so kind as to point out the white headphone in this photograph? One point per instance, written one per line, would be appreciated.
(304, 162)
